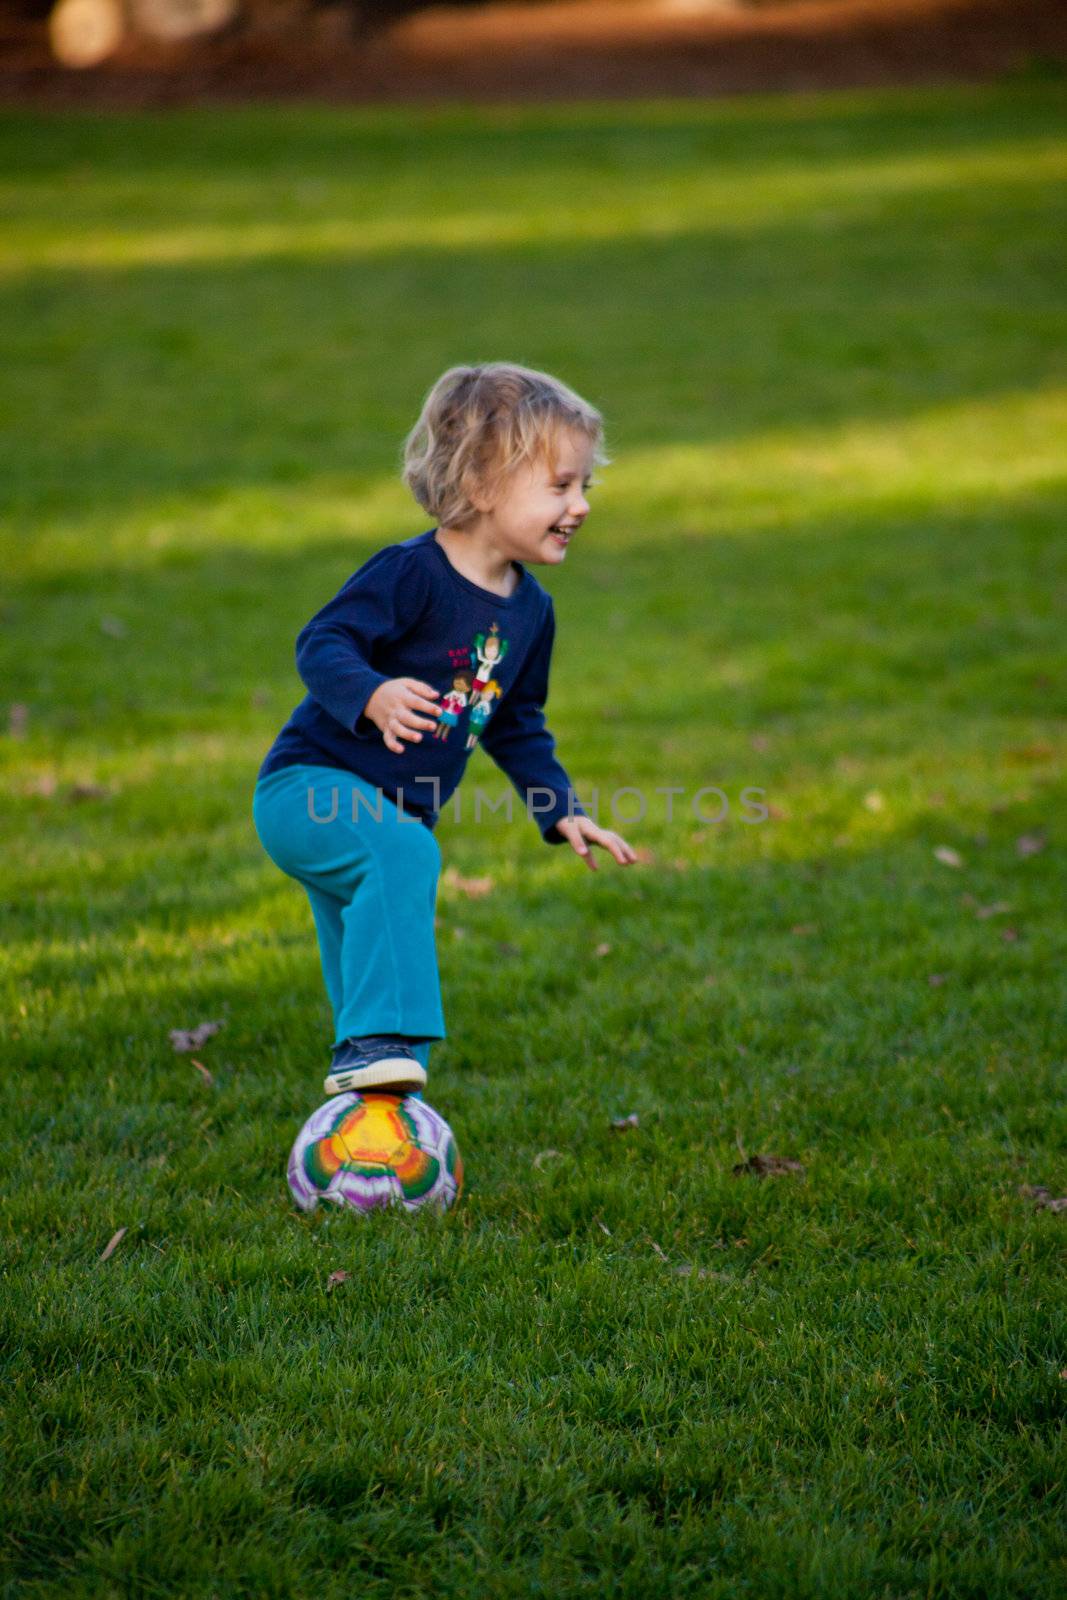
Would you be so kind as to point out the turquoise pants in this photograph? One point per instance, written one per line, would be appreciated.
(372, 883)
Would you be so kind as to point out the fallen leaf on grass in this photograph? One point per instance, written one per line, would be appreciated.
(1030, 844)
(760, 742)
(112, 1244)
(947, 856)
(1038, 751)
(936, 979)
(473, 888)
(874, 801)
(997, 909)
(1043, 1198)
(186, 1039)
(340, 1276)
(543, 1156)
(1009, 935)
(204, 1073)
(88, 791)
(803, 928)
(687, 1270)
(602, 950)
(17, 717)
(767, 1166)
(620, 1124)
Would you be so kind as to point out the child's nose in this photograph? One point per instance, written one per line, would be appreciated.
(579, 506)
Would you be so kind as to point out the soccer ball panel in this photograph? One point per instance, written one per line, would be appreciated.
(365, 1151)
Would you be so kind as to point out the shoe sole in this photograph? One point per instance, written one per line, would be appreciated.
(398, 1074)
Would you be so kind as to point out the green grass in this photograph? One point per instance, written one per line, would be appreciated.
(828, 561)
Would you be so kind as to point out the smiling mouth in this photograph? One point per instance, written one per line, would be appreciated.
(564, 535)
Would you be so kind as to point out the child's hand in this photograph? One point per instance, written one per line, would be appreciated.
(395, 707)
(581, 832)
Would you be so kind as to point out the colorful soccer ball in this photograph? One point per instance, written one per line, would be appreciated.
(370, 1150)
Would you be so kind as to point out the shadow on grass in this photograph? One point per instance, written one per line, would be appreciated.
(203, 378)
(336, 144)
(933, 610)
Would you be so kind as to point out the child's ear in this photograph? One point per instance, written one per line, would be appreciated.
(478, 494)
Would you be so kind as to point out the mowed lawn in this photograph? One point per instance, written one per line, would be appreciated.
(826, 561)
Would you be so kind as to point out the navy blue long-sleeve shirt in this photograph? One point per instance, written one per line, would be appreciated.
(408, 613)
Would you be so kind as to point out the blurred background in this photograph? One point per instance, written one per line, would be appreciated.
(152, 51)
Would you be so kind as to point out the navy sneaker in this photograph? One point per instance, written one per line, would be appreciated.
(382, 1061)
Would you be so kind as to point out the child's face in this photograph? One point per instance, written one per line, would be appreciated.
(542, 505)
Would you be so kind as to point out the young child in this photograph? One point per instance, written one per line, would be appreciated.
(351, 790)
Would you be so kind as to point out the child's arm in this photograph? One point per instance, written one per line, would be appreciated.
(334, 650)
(519, 742)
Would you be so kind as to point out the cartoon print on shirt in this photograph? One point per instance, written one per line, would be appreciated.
(480, 712)
(487, 652)
(452, 704)
(478, 691)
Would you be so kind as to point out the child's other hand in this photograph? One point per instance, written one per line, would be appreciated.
(400, 708)
(581, 832)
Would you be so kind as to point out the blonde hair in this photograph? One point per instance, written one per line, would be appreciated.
(479, 424)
